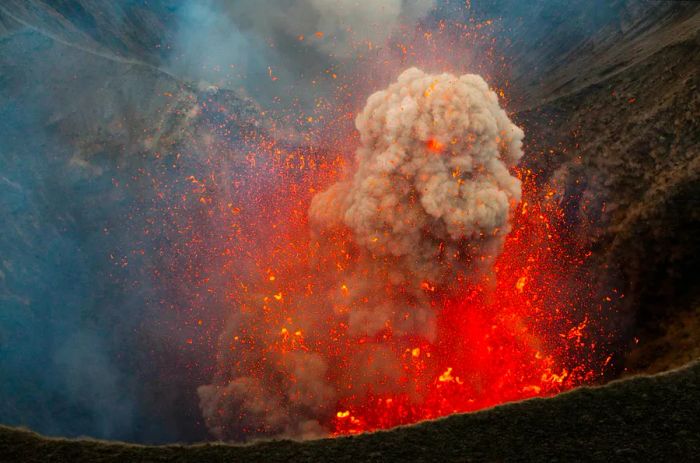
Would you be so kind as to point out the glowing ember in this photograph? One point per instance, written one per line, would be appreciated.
(435, 146)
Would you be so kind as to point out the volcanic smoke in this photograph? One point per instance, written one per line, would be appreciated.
(345, 336)
(432, 192)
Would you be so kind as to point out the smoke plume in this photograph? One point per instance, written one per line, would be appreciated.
(280, 50)
(427, 206)
(432, 190)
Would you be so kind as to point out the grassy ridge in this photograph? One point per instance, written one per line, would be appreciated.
(642, 418)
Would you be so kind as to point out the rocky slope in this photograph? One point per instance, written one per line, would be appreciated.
(624, 154)
(644, 418)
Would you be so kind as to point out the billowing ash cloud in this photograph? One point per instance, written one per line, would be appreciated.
(432, 190)
(427, 206)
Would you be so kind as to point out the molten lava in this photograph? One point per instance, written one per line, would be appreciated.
(512, 338)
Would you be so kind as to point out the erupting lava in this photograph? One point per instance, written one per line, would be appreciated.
(417, 286)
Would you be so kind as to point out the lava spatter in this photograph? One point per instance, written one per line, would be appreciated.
(418, 284)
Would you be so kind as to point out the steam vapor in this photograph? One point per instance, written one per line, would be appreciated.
(302, 37)
(426, 209)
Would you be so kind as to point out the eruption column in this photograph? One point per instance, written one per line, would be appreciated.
(425, 212)
(432, 192)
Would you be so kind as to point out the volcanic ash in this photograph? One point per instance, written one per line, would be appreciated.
(426, 210)
(432, 191)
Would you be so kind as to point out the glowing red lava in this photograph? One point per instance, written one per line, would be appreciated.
(524, 330)
(520, 336)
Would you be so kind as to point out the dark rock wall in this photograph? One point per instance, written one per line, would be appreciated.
(626, 150)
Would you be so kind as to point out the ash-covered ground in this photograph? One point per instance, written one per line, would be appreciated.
(109, 308)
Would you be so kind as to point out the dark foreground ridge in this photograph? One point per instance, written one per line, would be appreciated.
(641, 418)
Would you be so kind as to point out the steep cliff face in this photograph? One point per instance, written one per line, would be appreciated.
(626, 161)
(98, 138)
(579, 46)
